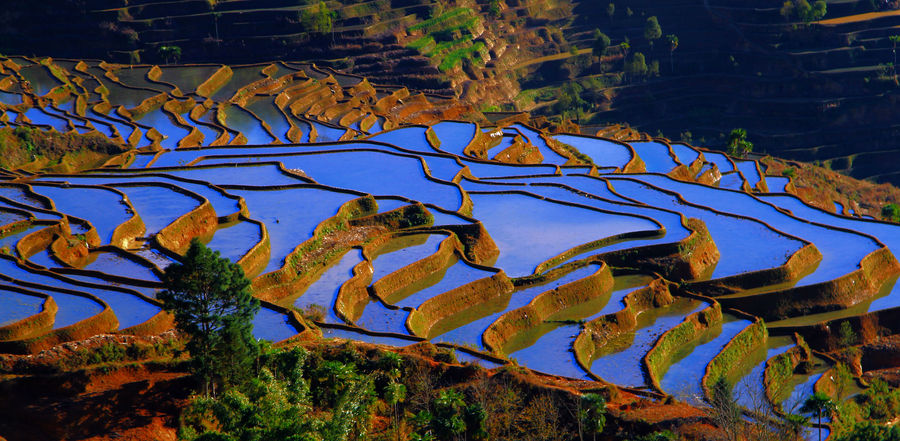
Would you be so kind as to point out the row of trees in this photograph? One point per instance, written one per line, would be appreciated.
(803, 10)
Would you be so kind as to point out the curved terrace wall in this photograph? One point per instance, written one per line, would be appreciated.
(728, 360)
(290, 278)
(456, 301)
(215, 82)
(544, 306)
(353, 295)
(686, 259)
(35, 324)
(843, 292)
(420, 269)
(780, 369)
(69, 250)
(598, 332)
(202, 220)
(41, 239)
(101, 323)
(661, 355)
(802, 261)
(868, 327)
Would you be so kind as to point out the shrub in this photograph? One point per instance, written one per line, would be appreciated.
(891, 212)
(601, 44)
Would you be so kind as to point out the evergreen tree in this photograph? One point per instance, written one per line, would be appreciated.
(652, 31)
(601, 44)
(891, 212)
(213, 306)
(637, 66)
(673, 44)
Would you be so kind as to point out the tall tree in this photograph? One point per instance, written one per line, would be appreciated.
(637, 66)
(601, 44)
(211, 300)
(818, 403)
(894, 40)
(738, 145)
(673, 44)
(591, 414)
(652, 31)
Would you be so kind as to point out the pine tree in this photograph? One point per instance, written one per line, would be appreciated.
(652, 31)
(211, 300)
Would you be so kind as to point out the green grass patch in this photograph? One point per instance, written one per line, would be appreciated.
(446, 46)
(422, 44)
(454, 58)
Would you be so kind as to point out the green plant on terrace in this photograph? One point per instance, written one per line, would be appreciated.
(673, 44)
(738, 145)
(891, 212)
(868, 431)
(591, 415)
(652, 30)
(846, 335)
(317, 19)
(170, 53)
(636, 67)
(802, 10)
(494, 8)
(601, 44)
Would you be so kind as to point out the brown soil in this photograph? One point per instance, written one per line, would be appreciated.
(819, 187)
(139, 402)
(142, 400)
(35, 149)
(338, 240)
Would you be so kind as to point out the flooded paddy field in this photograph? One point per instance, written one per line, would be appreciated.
(391, 229)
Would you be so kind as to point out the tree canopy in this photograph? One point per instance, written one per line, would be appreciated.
(803, 10)
(601, 44)
(637, 66)
(652, 31)
(818, 403)
(891, 212)
(317, 19)
(211, 300)
(868, 431)
(738, 145)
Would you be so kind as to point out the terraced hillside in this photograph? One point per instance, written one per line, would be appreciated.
(812, 91)
(374, 215)
(450, 48)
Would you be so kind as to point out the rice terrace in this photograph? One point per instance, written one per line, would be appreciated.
(426, 267)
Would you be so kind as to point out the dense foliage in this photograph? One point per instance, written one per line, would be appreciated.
(211, 300)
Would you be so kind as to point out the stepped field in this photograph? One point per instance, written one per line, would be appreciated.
(369, 213)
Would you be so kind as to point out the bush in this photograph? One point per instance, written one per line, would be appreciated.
(891, 212)
(637, 66)
(601, 44)
(801, 9)
(868, 431)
